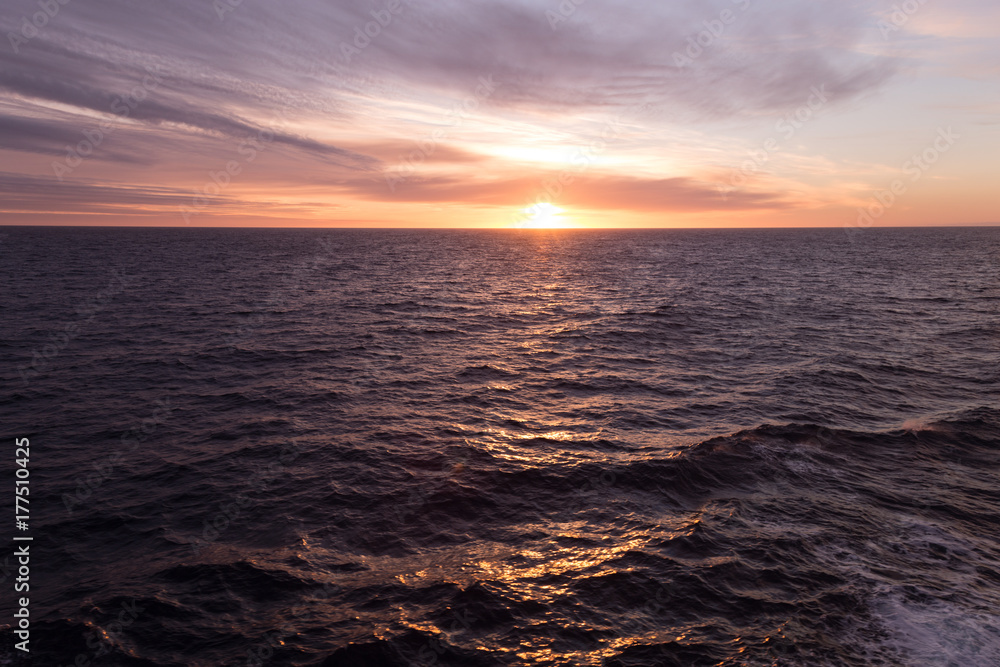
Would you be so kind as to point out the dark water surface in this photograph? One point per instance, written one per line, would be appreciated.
(381, 448)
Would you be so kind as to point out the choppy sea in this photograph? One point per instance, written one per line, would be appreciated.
(385, 448)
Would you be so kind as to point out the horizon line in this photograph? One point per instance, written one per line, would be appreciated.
(517, 229)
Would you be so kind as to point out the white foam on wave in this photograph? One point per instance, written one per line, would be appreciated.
(960, 629)
(919, 623)
(939, 632)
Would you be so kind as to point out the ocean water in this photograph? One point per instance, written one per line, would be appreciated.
(479, 448)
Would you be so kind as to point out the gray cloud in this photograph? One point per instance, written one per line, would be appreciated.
(48, 137)
(35, 193)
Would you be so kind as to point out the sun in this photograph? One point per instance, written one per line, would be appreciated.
(543, 216)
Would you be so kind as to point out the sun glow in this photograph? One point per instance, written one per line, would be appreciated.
(544, 216)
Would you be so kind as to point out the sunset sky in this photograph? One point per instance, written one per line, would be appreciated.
(385, 113)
